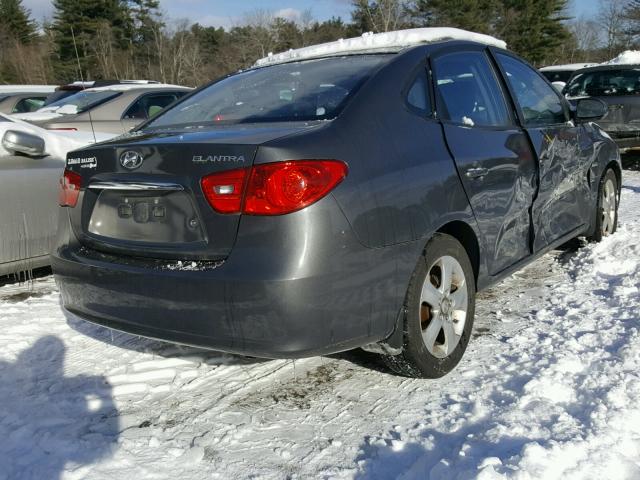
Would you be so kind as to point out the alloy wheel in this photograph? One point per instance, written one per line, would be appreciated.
(444, 303)
(608, 203)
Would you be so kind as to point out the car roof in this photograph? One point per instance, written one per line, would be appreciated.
(610, 66)
(389, 42)
(10, 89)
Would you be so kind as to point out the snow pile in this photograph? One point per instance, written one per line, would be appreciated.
(380, 41)
(549, 388)
(628, 57)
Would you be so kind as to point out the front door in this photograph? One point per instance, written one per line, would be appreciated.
(29, 213)
(562, 149)
(492, 155)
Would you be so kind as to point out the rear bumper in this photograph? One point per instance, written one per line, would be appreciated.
(625, 139)
(273, 297)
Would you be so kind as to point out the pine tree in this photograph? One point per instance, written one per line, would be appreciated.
(16, 22)
(81, 19)
(534, 29)
(473, 15)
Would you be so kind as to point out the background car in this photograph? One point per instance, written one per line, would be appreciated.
(23, 98)
(64, 91)
(114, 108)
(31, 163)
(619, 87)
(290, 210)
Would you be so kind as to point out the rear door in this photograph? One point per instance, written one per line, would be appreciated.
(562, 149)
(492, 154)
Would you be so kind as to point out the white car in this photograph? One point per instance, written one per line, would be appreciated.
(31, 163)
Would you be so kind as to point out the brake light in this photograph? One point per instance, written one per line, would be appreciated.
(273, 188)
(70, 184)
(285, 187)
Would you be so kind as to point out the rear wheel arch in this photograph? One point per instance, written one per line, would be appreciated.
(462, 232)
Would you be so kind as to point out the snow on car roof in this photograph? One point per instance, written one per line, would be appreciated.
(628, 57)
(135, 86)
(380, 41)
(567, 66)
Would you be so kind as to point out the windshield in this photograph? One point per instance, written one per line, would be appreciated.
(80, 102)
(309, 90)
(603, 83)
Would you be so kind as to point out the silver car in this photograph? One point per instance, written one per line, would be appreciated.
(113, 109)
(31, 163)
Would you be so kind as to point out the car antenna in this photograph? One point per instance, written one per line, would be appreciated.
(75, 47)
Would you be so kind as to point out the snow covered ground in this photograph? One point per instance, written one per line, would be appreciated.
(549, 389)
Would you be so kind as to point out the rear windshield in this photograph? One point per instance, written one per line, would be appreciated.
(308, 90)
(82, 101)
(603, 83)
(557, 75)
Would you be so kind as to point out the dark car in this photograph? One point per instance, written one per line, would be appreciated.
(332, 200)
(619, 87)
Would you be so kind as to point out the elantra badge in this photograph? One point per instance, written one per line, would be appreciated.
(131, 160)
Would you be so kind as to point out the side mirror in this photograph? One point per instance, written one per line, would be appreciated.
(588, 109)
(559, 86)
(25, 143)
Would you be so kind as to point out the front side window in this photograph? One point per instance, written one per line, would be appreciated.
(26, 105)
(149, 105)
(605, 83)
(468, 91)
(539, 102)
(306, 90)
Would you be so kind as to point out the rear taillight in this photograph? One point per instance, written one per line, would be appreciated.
(273, 188)
(70, 184)
(224, 190)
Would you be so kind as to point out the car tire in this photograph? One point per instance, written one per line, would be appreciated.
(434, 336)
(606, 207)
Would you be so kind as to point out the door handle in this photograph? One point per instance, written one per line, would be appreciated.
(476, 172)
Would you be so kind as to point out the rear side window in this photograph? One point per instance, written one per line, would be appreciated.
(468, 91)
(539, 102)
(307, 90)
(418, 94)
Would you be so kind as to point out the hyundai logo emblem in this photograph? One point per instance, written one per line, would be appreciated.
(131, 160)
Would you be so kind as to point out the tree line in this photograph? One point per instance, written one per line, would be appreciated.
(131, 39)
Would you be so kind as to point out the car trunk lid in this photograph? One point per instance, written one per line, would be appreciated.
(141, 194)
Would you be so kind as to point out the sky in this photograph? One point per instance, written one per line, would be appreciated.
(227, 13)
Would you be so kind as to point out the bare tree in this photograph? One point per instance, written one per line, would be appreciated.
(613, 21)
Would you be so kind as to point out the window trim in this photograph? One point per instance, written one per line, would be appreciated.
(521, 120)
(422, 67)
(439, 103)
